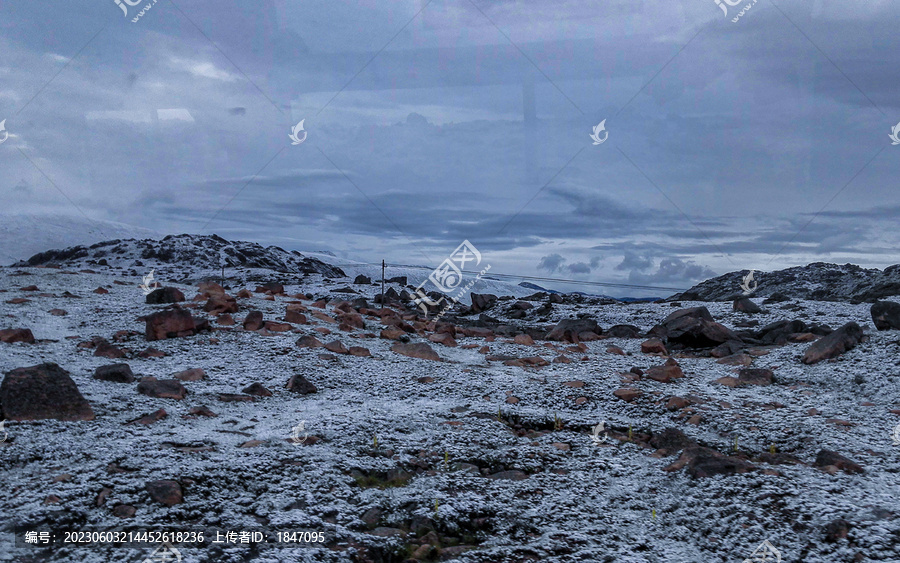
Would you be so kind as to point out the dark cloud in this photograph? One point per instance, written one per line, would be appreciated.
(551, 263)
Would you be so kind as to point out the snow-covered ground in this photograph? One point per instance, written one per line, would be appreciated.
(579, 502)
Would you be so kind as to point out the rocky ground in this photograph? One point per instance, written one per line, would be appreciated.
(475, 439)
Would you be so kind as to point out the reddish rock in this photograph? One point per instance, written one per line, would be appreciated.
(11, 335)
(676, 403)
(416, 350)
(359, 351)
(257, 390)
(628, 394)
(736, 360)
(41, 392)
(209, 289)
(101, 291)
(193, 374)
(886, 315)
(58, 312)
(18, 301)
(270, 287)
(704, 462)
(392, 333)
(225, 320)
(169, 323)
(124, 511)
(568, 330)
(244, 294)
(299, 384)
(832, 462)
(30, 288)
(201, 411)
(294, 315)
(107, 350)
(615, 350)
(524, 339)
(151, 352)
(164, 295)
(745, 305)
(666, 372)
(253, 320)
(309, 341)
(118, 373)
(756, 376)
(277, 327)
(654, 346)
(443, 338)
(150, 418)
(841, 340)
(729, 381)
(162, 389)
(166, 492)
(562, 360)
(221, 303)
(337, 347)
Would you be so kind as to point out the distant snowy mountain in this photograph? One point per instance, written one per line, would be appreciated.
(22, 236)
(818, 281)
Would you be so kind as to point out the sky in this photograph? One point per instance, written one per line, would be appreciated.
(761, 143)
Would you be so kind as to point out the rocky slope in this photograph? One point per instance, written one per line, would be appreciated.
(818, 281)
(473, 439)
(184, 257)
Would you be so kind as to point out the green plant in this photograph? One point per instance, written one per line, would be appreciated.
(446, 464)
(629, 433)
(772, 449)
(435, 507)
(557, 422)
(375, 441)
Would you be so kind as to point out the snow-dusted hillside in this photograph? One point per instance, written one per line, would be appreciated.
(818, 281)
(23, 236)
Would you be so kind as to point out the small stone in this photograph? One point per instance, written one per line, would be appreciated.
(654, 346)
(124, 511)
(193, 374)
(615, 350)
(162, 389)
(299, 384)
(257, 390)
(118, 373)
(165, 491)
(628, 394)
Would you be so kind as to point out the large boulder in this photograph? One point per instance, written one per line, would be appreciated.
(779, 332)
(745, 305)
(253, 320)
(482, 301)
(416, 350)
(693, 328)
(841, 340)
(886, 315)
(118, 373)
(41, 392)
(299, 384)
(164, 295)
(170, 323)
(162, 389)
(568, 330)
(220, 303)
(361, 279)
(11, 335)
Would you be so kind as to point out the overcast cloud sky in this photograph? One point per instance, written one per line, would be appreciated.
(761, 143)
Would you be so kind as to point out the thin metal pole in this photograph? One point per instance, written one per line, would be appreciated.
(382, 284)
